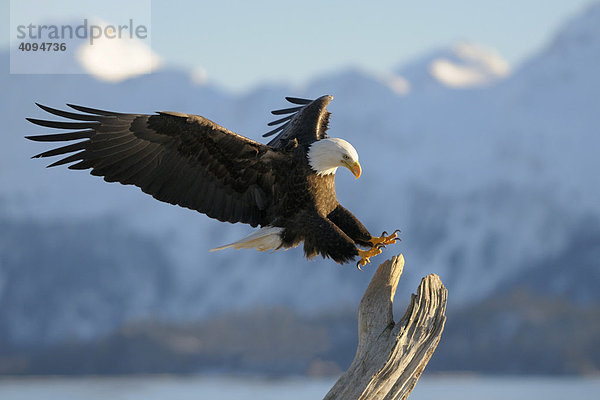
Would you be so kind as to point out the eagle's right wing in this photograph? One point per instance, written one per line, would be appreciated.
(177, 158)
(305, 123)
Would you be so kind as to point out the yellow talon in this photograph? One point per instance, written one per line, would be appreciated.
(365, 255)
(384, 240)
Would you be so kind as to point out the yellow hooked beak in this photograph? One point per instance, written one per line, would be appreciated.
(354, 168)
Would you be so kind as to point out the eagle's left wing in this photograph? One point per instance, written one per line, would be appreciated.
(177, 158)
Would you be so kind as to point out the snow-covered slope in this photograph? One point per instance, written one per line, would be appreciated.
(487, 174)
(462, 65)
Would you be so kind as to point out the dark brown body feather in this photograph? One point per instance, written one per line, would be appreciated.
(192, 162)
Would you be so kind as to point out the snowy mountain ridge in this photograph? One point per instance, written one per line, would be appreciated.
(462, 65)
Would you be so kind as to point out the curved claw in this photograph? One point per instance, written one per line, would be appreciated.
(365, 256)
(385, 239)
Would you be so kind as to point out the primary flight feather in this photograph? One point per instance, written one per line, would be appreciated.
(287, 187)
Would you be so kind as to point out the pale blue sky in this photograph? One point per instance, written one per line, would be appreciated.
(241, 44)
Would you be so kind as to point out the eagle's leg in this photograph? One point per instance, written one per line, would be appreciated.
(385, 239)
(365, 255)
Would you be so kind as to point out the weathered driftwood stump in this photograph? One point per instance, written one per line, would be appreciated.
(391, 356)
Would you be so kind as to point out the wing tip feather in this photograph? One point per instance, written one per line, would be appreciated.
(297, 100)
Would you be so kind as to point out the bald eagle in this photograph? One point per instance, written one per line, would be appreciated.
(287, 187)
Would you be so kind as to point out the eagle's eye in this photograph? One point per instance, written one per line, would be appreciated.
(346, 157)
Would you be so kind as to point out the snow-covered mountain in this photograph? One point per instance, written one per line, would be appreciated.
(462, 65)
(488, 173)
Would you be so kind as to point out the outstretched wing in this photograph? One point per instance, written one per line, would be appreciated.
(306, 123)
(177, 158)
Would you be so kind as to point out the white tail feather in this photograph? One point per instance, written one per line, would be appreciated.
(266, 238)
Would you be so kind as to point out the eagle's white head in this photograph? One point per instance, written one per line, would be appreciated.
(326, 155)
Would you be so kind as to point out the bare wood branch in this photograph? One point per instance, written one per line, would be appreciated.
(391, 356)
